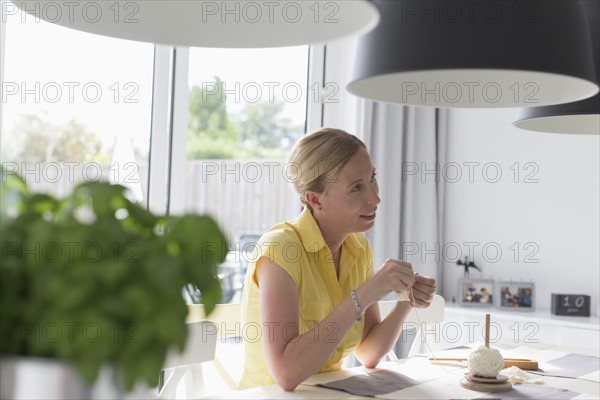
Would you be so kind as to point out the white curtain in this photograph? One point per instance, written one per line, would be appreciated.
(408, 148)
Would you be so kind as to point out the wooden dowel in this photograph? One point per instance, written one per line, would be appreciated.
(487, 330)
(522, 363)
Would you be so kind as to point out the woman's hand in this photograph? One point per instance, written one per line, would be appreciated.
(394, 275)
(423, 290)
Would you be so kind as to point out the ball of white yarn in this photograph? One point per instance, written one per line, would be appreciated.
(485, 362)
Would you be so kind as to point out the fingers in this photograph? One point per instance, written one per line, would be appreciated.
(400, 277)
(423, 290)
(427, 283)
(407, 278)
(405, 274)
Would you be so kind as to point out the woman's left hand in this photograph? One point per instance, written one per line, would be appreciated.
(423, 289)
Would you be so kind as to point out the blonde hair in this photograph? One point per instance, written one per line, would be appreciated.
(317, 158)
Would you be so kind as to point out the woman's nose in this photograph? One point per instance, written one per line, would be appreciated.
(374, 198)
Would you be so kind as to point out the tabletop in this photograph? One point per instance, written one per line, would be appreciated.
(566, 373)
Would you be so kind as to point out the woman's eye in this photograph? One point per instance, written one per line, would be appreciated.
(356, 188)
(374, 178)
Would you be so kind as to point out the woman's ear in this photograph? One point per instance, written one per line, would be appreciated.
(314, 199)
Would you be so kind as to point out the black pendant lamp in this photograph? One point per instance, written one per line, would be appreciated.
(580, 117)
(476, 54)
(201, 23)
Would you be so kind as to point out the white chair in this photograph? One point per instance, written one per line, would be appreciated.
(182, 375)
(228, 321)
(422, 319)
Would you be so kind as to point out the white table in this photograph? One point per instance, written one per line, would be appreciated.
(438, 381)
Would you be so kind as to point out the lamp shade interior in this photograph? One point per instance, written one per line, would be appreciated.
(476, 54)
(588, 124)
(473, 88)
(581, 117)
(223, 24)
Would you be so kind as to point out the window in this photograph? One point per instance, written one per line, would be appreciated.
(246, 110)
(76, 107)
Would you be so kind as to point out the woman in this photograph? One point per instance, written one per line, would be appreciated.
(310, 292)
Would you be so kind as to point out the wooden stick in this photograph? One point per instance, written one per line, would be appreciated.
(487, 330)
(465, 359)
(522, 363)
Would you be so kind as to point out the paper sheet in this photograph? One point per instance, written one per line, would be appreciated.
(372, 384)
(570, 366)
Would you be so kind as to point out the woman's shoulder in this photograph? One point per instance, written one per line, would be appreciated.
(281, 233)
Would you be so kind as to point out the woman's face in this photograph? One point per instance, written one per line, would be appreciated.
(350, 201)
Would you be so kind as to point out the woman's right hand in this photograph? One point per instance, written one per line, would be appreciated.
(394, 275)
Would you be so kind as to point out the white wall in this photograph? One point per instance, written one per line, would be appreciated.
(558, 215)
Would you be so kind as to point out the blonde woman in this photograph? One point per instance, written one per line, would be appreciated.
(310, 296)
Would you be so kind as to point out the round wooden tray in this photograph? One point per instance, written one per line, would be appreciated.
(485, 387)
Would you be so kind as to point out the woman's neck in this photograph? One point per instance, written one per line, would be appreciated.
(333, 238)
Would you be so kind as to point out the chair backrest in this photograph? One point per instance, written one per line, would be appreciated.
(183, 369)
(200, 346)
(227, 318)
(228, 322)
(422, 319)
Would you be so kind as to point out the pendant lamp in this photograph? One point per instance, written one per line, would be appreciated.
(224, 23)
(580, 117)
(476, 54)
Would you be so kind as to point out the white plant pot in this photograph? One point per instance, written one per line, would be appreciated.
(43, 378)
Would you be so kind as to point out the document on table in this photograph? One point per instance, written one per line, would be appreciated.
(373, 383)
(570, 366)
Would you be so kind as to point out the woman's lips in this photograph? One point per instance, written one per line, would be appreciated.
(369, 217)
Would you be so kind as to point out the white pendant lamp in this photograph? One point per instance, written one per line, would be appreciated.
(580, 117)
(224, 23)
(476, 54)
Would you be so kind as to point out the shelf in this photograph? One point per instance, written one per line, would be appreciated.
(539, 316)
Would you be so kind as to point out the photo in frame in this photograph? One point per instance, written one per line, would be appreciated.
(518, 296)
(474, 292)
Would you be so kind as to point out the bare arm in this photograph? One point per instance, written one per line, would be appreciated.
(292, 357)
(380, 336)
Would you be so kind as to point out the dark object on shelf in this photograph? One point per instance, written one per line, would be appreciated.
(468, 264)
(571, 304)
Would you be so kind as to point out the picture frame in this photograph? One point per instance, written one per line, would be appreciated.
(473, 292)
(515, 296)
